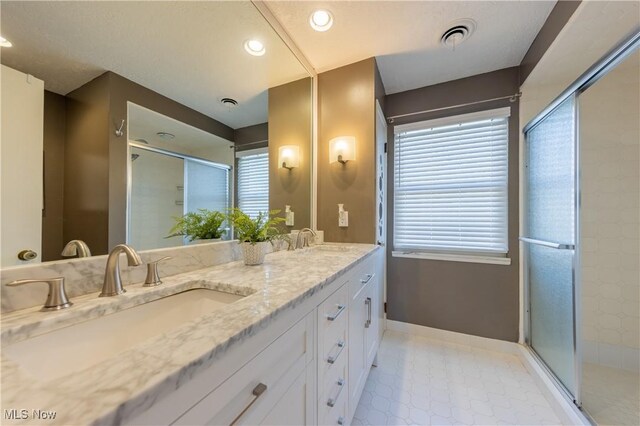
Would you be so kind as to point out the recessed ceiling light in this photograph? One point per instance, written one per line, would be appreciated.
(166, 135)
(321, 20)
(254, 47)
(4, 42)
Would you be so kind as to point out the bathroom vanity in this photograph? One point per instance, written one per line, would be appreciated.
(287, 342)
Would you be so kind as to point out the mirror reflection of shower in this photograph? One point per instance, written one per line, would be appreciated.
(134, 156)
(169, 177)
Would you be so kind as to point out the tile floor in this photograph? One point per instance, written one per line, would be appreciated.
(611, 396)
(423, 381)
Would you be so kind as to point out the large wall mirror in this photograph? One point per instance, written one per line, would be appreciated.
(119, 117)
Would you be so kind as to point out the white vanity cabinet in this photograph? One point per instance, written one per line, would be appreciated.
(276, 387)
(365, 325)
(311, 372)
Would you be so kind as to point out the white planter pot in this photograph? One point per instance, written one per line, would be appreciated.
(254, 253)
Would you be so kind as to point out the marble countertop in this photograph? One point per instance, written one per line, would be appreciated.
(155, 367)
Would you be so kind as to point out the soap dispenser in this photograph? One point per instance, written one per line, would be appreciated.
(289, 218)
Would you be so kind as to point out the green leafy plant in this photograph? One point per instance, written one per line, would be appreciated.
(262, 228)
(201, 225)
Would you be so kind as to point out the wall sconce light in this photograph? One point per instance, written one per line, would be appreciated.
(342, 149)
(289, 156)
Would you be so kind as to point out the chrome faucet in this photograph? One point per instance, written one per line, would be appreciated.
(76, 248)
(112, 285)
(305, 241)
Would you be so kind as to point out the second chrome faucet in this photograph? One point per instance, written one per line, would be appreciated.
(112, 285)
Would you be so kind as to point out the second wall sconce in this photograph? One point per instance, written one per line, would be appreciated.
(342, 149)
(289, 157)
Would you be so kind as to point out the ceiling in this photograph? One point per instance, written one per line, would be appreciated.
(145, 124)
(191, 52)
(576, 49)
(405, 36)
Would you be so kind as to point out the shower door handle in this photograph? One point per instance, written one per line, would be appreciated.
(549, 244)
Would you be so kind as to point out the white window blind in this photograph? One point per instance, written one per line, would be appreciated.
(253, 183)
(450, 181)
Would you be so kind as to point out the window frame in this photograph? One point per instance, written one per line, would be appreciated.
(452, 254)
(247, 153)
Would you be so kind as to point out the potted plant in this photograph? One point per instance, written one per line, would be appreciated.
(254, 234)
(203, 225)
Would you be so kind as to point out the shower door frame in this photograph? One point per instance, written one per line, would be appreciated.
(586, 80)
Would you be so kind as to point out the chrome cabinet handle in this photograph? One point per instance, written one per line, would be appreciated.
(257, 392)
(153, 277)
(549, 244)
(337, 314)
(332, 401)
(368, 321)
(364, 281)
(340, 420)
(332, 359)
(56, 299)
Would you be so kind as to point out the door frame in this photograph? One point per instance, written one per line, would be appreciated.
(382, 122)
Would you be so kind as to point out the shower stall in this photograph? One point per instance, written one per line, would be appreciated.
(581, 242)
(165, 185)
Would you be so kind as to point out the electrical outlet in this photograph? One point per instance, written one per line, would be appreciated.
(343, 220)
(289, 216)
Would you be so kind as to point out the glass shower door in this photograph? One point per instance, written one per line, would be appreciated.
(549, 241)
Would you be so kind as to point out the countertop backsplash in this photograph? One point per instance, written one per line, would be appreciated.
(85, 275)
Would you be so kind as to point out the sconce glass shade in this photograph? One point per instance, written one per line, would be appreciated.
(342, 149)
(288, 157)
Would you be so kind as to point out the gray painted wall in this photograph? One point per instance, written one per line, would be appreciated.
(471, 298)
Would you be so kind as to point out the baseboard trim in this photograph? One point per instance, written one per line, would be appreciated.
(566, 411)
(454, 337)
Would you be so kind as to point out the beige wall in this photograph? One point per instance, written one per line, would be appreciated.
(610, 217)
(290, 124)
(346, 106)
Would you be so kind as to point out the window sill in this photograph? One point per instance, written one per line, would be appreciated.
(453, 257)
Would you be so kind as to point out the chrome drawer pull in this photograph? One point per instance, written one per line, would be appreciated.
(257, 391)
(369, 276)
(367, 302)
(337, 314)
(332, 359)
(340, 420)
(332, 401)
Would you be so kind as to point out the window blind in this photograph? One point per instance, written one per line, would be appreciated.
(450, 181)
(253, 183)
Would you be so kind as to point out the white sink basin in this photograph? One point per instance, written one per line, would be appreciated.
(79, 346)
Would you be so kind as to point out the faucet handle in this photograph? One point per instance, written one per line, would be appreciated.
(56, 299)
(153, 277)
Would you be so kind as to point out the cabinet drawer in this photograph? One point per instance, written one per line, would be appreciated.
(256, 388)
(362, 277)
(332, 313)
